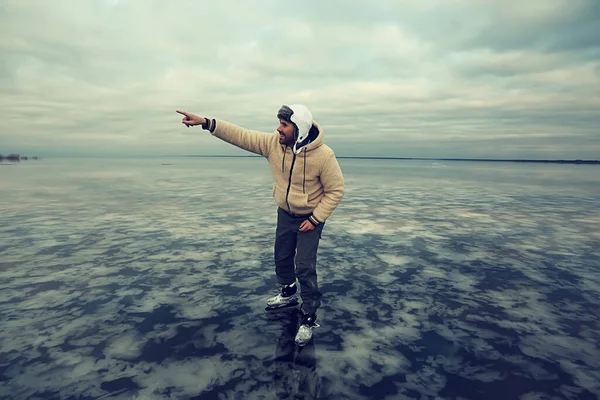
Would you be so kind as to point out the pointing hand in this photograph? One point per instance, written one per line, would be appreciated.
(190, 119)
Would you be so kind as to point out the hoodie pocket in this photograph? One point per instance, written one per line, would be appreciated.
(279, 195)
(299, 202)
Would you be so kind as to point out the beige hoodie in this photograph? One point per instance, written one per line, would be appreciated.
(310, 184)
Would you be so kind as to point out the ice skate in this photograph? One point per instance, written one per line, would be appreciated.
(309, 322)
(288, 297)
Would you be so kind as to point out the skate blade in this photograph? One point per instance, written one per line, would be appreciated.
(283, 307)
(301, 343)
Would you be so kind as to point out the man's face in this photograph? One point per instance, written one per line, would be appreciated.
(286, 132)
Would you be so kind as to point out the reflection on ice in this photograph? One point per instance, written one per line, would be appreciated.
(135, 280)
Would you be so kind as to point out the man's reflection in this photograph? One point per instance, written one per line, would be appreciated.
(295, 368)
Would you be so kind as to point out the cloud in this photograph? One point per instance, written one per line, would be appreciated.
(106, 77)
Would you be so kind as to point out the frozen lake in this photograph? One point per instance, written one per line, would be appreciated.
(131, 279)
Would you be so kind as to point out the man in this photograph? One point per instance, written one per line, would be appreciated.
(308, 185)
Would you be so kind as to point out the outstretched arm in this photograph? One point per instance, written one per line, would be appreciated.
(249, 140)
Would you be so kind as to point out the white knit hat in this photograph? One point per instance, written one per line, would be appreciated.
(301, 116)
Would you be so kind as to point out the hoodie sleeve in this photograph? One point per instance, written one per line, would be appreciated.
(332, 180)
(249, 140)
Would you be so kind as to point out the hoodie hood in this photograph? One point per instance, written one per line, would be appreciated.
(312, 141)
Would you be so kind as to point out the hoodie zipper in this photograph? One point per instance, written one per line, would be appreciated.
(290, 181)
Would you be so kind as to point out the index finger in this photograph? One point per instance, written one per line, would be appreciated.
(182, 112)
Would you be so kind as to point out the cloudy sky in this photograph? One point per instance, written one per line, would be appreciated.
(413, 78)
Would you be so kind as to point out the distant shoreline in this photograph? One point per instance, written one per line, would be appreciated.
(577, 161)
(505, 160)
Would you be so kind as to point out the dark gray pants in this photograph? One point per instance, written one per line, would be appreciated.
(291, 246)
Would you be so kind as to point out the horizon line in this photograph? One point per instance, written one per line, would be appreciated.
(578, 161)
(521, 160)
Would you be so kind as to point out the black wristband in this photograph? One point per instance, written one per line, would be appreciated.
(315, 222)
(206, 124)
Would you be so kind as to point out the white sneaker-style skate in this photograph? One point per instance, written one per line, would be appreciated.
(288, 297)
(309, 322)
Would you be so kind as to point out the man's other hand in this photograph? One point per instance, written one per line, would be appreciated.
(306, 226)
